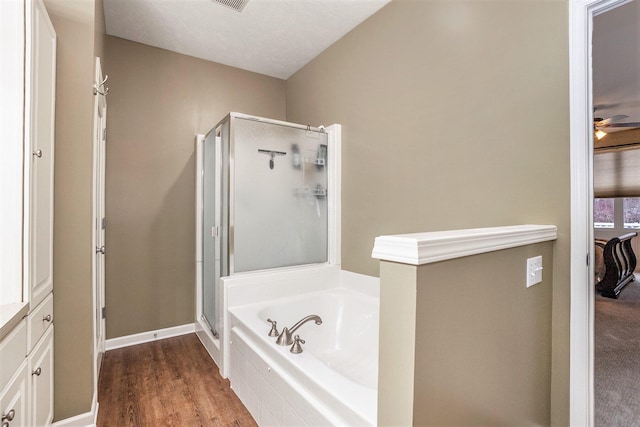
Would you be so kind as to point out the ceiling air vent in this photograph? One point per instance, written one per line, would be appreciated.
(236, 5)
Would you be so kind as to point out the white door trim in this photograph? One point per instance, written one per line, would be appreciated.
(98, 265)
(581, 13)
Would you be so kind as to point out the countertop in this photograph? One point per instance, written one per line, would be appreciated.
(10, 316)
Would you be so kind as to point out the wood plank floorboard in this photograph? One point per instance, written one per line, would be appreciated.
(170, 382)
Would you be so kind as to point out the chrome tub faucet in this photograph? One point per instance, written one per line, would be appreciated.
(274, 329)
(296, 348)
(286, 336)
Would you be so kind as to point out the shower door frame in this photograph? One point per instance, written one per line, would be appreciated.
(204, 330)
(217, 215)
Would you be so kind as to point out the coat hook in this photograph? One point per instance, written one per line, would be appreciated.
(97, 86)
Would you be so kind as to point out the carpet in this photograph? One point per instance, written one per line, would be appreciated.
(617, 358)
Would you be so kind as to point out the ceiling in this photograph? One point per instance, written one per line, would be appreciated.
(616, 63)
(272, 37)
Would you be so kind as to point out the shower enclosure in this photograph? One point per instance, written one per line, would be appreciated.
(264, 202)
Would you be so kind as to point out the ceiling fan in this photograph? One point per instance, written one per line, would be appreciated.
(600, 125)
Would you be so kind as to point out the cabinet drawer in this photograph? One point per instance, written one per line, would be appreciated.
(13, 351)
(39, 320)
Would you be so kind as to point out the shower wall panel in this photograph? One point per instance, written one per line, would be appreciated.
(280, 187)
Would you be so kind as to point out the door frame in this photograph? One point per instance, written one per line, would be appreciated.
(581, 13)
(204, 333)
(98, 266)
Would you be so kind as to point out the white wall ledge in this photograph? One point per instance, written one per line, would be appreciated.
(425, 248)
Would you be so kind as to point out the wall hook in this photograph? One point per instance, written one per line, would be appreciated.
(100, 88)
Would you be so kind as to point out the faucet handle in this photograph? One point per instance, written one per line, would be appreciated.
(273, 332)
(296, 347)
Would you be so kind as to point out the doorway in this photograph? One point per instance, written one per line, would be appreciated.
(581, 399)
(616, 185)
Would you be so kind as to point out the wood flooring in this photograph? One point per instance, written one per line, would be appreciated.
(170, 382)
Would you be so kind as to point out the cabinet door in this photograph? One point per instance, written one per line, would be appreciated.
(42, 107)
(41, 369)
(13, 400)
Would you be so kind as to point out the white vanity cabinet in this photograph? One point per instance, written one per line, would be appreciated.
(40, 362)
(28, 42)
(39, 133)
(26, 370)
(13, 378)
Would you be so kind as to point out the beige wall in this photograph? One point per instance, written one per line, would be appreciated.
(158, 101)
(470, 345)
(482, 346)
(78, 42)
(481, 354)
(455, 115)
(100, 31)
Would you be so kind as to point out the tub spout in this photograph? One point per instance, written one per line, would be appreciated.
(285, 337)
(313, 317)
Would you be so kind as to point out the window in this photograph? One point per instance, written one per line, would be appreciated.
(631, 211)
(604, 213)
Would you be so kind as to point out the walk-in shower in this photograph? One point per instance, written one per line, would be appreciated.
(264, 202)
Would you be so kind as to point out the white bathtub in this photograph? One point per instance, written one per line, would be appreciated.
(334, 380)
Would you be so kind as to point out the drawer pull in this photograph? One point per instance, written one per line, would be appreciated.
(37, 372)
(47, 318)
(9, 416)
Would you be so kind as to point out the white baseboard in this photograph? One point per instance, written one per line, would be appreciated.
(144, 337)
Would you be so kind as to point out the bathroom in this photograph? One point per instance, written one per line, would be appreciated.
(434, 137)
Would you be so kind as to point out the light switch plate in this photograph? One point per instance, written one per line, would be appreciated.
(534, 270)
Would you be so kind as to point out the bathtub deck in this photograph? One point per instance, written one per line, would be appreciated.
(167, 382)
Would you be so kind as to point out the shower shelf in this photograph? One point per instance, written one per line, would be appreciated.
(315, 161)
(304, 192)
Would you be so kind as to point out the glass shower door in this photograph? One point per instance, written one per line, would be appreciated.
(210, 230)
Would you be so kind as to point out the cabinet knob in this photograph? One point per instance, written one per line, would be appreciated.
(47, 318)
(9, 416)
(38, 153)
(37, 372)
(100, 250)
